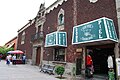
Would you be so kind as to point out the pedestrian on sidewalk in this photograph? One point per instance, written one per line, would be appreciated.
(23, 58)
(8, 59)
(0, 57)
(14, 59)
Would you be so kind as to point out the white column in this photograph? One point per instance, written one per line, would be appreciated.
(34, 56)
(41, 56)
(83, 61)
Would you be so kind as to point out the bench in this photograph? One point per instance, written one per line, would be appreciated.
(47, 68)
(51, 69)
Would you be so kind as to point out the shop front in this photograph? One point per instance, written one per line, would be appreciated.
(57, 42)
(99, 54)
(99, 38)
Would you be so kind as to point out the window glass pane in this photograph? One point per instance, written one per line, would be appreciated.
(61, 19)
(59, 54)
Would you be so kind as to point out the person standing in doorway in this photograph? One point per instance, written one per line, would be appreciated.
(110, 62)
(89, 66)
(111, 74)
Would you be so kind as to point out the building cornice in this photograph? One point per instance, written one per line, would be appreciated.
(54, 5)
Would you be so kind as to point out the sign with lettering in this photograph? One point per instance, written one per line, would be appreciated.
(97, 30)
(56, 39)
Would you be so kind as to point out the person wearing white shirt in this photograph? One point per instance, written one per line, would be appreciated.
(23, 58)
(14, 59)
(110, 62)
(8, 59)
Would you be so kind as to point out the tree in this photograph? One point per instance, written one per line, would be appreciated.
(59, 70)
(4, 50)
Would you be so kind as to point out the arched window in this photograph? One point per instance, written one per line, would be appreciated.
(23, 38)
(61, 19)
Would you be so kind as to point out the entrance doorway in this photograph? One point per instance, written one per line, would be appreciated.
(78, 66)
(38, 52)
(99, 56)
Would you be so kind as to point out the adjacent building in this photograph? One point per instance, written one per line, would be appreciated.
(24, 39)
(12, 43)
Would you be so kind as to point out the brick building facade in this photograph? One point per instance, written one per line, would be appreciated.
(62, 16)
(24, 38)
(79, 12)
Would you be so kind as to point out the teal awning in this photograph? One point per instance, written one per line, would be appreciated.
(102, 29)
(56, 39)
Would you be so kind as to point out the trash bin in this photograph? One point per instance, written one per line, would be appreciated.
(111, 75)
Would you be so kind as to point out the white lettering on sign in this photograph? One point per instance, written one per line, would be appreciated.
(109, 29)
(113, 31)
(100, 29)
(87, 32)
(59, 39)
(87, 38)
(76, 35)
(49, 40)
(64, 39)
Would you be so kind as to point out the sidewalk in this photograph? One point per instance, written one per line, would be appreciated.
(29, 72)
(22, 72)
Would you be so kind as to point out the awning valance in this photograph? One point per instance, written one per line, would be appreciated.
(102, 29)
(56, 39)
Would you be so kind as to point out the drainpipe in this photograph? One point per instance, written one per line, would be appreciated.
(117, 45)
(118, 18)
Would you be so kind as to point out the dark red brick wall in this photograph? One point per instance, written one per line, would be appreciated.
(27, 46)
(90, 11)
(86, 12)
(51, 22)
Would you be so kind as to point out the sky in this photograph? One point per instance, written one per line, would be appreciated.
(14, 14)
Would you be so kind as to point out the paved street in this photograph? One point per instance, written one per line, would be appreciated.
(28, 72)
(22, 72)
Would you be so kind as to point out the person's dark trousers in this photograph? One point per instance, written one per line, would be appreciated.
(14, 62)
(23, 61)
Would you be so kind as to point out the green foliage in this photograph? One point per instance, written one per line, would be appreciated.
(59, 70)
(4, 50)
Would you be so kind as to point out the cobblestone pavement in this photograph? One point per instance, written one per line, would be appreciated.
(22, 72)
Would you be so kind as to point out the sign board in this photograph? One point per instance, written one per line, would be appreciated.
(96, 30)
(56, 39)
(79, 50)
(118, 66)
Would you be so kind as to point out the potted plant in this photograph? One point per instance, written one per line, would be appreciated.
(59, 70)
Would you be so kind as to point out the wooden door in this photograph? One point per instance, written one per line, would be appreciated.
(38, 53)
